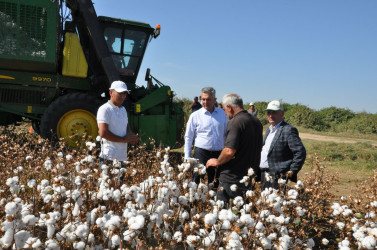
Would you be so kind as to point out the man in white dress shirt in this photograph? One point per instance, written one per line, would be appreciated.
(113, 126)
(207, 127)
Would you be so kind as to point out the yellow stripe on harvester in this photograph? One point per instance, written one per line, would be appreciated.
(7, 77)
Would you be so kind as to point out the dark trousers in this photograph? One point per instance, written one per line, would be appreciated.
(273, 182)
(224, 192)
(203, 156)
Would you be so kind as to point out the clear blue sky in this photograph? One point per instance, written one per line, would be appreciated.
(318, 53)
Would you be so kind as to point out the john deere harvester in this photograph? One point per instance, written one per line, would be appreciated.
(57, 61)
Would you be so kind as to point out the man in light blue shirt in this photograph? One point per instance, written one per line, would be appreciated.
(207, 126)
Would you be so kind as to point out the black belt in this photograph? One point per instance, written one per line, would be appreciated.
(209, 151)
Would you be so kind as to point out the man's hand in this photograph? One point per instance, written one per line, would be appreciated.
(131, 138)
(213, 162)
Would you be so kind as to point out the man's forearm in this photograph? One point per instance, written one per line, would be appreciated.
(226, 155)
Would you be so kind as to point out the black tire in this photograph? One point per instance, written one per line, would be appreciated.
(79, 108)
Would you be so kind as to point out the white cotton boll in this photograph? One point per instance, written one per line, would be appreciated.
(184, 215)
(31, 183)
(9, 182)
(225, 225)
(136, 223)
(347, 212)
(78, 180)
(299, 184)
(292, 194)
(180, 176)
(60, 154)
(192, 240)
(113, 223)
(267, 177)
(234, 187)
(29, 220)
(20, 238)
(282, 181)
(28, 158)
(272, 236)
(310, 243)
(264, 213)
(51, 245)
(368, 242)
(8, 235)
(245, 180)
(220, 203)
(373, 203)
(260, 227)
(129, 235)
(158, 154)
(79, 245)
(266, 243)
(238, 201)
(340, 225)
(325, 241)
(76, 210)
(249, 193)
(212, 193)
(82, 230)
(11, 208)
(45, 183)
(115, 241)
(285, 242)
(300, 211)
(250, 172)
(177, 237)
(37, 243)
(134, 172)
(182, 200)
(247, 220)
(210, 219)
(117, 195)
(344, 245)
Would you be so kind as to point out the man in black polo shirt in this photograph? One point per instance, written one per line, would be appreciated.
(242, 148)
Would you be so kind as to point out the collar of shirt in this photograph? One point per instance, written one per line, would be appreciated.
(274, 128)
(113, 105)
(203, 110)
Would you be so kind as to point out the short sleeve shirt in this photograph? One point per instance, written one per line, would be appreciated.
(117, 120)
(241, 135)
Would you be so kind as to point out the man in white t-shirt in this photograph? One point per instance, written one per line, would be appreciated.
(113, 125)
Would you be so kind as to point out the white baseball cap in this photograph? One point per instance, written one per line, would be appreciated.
(251, 104)
(275, 106)
(119, 86)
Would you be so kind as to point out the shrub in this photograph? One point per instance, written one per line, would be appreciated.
(363, 123)
(300, 115)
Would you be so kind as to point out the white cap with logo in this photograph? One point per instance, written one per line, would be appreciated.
(251, 104)
(275, 106)
(119, 86)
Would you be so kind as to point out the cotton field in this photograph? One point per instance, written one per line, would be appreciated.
(58, 198)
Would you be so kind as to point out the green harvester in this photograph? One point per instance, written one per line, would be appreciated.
(57, 61)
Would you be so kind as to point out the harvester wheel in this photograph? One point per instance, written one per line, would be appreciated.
(71, 117)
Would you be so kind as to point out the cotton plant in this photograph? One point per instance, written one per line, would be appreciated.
(80, 204)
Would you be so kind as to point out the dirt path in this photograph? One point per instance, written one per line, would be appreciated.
(335, 139)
